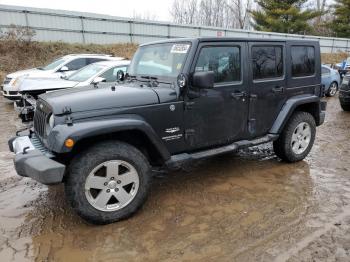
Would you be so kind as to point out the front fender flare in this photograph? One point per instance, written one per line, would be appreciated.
(88, 129)
(288, 109)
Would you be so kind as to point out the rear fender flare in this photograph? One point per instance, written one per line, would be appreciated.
(288, 109)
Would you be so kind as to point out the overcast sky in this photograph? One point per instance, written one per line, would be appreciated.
(125, 8)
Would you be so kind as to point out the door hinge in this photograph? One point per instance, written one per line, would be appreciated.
(189, 133)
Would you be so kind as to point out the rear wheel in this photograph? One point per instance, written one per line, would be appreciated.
(108, 182)
(345, 107)
(333, 89)
(297, 138)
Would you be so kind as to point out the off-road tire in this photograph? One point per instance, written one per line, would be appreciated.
(345, 107)
(282, 146)
(86, 161)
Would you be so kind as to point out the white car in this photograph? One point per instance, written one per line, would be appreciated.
(30, 88)
(63, 66)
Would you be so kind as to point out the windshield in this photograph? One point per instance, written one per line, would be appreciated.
(86, 73)
(163, 60)
(54, 64)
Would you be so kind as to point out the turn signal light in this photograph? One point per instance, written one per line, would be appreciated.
(69, 143)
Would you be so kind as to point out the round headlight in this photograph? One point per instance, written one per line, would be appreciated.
(51, 121)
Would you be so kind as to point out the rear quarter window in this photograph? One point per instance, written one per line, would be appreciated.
(303, 61)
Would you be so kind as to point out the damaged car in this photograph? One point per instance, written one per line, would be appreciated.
(31, 88)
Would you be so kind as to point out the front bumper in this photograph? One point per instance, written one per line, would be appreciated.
(11, 95)
(31, 160)
(10, 92)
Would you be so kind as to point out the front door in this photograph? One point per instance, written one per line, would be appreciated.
(267, 85)
(219, 115)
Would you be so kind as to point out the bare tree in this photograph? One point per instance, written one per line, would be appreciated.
(145, 16)
(185, 12)
(240, 9)
(218, 13)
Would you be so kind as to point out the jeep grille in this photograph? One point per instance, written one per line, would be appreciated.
(41, 116)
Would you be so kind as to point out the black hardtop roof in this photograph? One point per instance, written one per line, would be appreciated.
(229, 39)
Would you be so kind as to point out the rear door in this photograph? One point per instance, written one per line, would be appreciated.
(218, 115)
(267, 85)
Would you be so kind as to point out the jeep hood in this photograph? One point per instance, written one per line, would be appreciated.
(34, 84)
(89, 98)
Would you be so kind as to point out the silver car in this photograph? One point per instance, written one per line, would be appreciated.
(63, 66)
(31, 88)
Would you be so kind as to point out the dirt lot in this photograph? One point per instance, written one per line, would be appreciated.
(243, 207)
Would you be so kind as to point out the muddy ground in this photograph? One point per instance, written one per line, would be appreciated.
(237, 207)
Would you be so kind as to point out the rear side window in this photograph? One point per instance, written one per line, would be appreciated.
(267, 61)
(94, 60)
(224, 61)
(303, 61)
(76, 64)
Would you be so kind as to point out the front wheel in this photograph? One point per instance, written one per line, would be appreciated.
(108, 182)
(297, 138)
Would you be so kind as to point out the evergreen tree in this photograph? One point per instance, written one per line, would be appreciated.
(341, 23)
(283, 16)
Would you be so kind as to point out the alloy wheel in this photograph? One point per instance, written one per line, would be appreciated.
(112, 185)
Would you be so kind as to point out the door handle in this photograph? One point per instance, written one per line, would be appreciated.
(278, 89)
(238, 95)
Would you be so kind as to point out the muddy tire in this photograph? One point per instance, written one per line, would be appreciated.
(345, 107)
(297, 138)
(108, 182)
(332, 90)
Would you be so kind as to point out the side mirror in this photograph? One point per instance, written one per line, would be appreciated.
(98, 80)
(64, 69)
(120, 75)
(203, 80)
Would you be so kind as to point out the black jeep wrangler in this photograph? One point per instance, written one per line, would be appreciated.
(181, 100)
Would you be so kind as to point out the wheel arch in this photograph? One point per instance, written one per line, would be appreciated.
(309, 103)
(134, 131)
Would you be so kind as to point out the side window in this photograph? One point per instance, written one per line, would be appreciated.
(267, 61)
(325, 71)
(303, 60)
(76, 64)
(225, 61)
(94, 60)
(111, 74)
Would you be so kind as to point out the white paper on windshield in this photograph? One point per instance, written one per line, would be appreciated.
(180, 48)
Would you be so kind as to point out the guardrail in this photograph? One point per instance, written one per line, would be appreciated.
(80, 27)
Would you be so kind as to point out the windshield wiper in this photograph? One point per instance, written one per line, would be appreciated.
(152, 80)
(150, 77)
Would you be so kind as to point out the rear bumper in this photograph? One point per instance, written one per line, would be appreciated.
(31, 162)
(344, 97)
